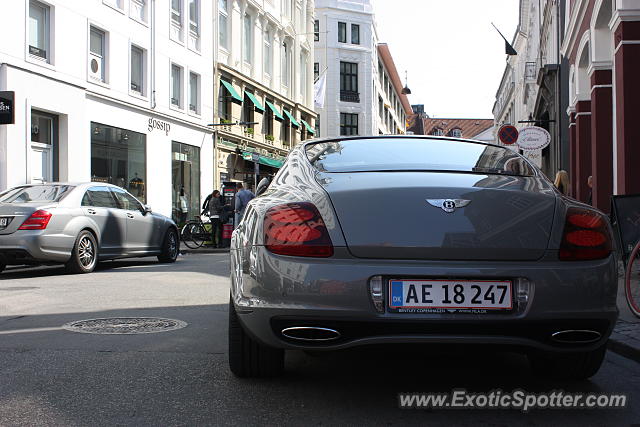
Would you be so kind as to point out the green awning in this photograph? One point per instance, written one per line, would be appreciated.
(255, 101)
(236, 97)
(276, 113)
(309, 128)
(263, 160)
(293, 121)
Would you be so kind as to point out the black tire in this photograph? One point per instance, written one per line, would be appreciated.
(568, 366)
(84, 256)
(248, 358)
(170, 246)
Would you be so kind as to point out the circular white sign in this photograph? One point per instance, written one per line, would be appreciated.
(533, 138)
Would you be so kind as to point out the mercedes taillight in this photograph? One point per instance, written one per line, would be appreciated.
(37, 221)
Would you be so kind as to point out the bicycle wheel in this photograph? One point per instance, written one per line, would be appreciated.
(193, 235)
(632, 281)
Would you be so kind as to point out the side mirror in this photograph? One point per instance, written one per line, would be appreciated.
(147, 209)
(262, 186)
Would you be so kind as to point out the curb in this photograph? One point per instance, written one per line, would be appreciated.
(204, 251)
(623, 348)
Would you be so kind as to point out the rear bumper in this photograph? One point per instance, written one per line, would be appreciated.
(272, 293)
(34, 246)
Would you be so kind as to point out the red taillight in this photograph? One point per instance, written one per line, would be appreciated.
(37, 221)
(586, 236)
(296, 229)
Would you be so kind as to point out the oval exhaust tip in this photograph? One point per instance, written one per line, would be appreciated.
(576, 336)
(310, 333)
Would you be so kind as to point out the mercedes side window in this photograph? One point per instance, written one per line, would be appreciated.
(100, 197)
(126, 201)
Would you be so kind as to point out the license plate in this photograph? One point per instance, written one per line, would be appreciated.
(426, 296)
(4, 222)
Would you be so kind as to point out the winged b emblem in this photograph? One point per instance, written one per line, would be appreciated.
(448, 205)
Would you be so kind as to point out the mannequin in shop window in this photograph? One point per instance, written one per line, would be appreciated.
(183, 206)
(136, 186)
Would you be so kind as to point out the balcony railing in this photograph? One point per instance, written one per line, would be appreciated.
(349, 96)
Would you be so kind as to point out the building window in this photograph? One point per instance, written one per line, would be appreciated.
(342, 32)
(222, 24)
(285, 67)
(267, 55)
(137, 70)
(176, 12)
(117, 4)
(287, 8)
(185, 179)
(316, 71)
(437, 132)
(380, 107)
(194, 17)
(118, 157)
(39, 30)
(303, 76)
(456, 133)
(317, 127)
(97, 54)
(355, 33)
(138, 10)
(285, 127)
(247, 110)
(349, 82)
(248, 39)
(194, 93)
(224, 104)
(176, 85)
(348, 124)
(316, 31)
(267, 121)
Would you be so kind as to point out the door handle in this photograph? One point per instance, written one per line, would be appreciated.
(91, 211)
(130, 215)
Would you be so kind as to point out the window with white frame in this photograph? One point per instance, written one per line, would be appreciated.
(456, 133)
(316, 30)
(285, 67)
(137, 70)
(267, 54)
(194, 93)
(194, 17)
(223, 16)
(287, 8)
(303, 76)
(118, 4)
(176, 85)
(247, 39)
(138, 10)
(39, 16)
(355, 33)
(176, 13)
(97, 53)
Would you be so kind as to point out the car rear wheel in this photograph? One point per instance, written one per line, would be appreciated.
(248, 358)
(170, 247)
(568, 366)
(84, 255)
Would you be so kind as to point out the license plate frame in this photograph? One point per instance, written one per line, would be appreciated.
(4, 222)
(435, 302)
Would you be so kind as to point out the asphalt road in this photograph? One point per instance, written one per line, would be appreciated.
(51, 376)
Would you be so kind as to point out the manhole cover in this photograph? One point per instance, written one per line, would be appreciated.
(124, 325)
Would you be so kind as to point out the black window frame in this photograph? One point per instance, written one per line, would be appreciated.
(316, 71)
(349, 82)
(347, 125)
(355, 30)
(316, 30)
(342, 32)
(267, 119)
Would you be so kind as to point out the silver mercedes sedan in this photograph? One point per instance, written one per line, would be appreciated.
(79, 225)
(396, 239)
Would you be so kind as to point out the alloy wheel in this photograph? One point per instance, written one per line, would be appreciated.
(86, 252)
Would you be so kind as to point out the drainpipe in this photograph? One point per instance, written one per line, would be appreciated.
(152, 56)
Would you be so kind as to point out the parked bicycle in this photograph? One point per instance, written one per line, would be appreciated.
(626, 220)
(194, 233)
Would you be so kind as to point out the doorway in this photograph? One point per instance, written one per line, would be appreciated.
(44, 147)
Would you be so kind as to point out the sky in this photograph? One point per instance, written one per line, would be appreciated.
(454, 57)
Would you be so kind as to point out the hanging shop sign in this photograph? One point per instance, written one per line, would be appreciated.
(533, 138)
(7, 116)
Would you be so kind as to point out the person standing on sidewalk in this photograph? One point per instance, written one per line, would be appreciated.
(243, 197)
(213, 204)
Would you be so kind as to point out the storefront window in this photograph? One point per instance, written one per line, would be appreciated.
(185, 178)
(118, 156)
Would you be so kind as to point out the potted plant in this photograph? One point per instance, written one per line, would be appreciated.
(249, 132)
(269, 138)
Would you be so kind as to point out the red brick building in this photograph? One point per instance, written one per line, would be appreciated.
(602, 45)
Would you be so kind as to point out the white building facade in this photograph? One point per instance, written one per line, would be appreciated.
(263, 85)
(363, 90)
(117, 91)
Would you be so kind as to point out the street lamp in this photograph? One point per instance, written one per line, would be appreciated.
(405, 90)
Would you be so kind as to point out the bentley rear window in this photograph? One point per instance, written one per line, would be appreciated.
(416, 154)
